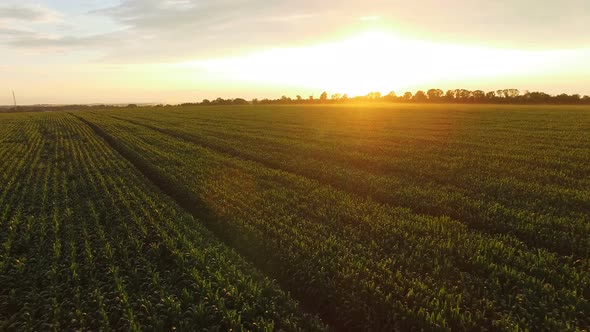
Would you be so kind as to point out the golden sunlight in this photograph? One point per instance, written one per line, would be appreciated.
(376, 61)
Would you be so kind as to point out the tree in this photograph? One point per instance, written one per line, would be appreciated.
(219, 101)
(373, 96)
(462, 94)
(434, 94)
(564, 98)
(450, 95)
(240, 101)
(536, 97)
(420, 96)
(478, 95)
(390, 96)
(511, 93)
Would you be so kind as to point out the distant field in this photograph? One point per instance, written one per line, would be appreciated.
(376, 217)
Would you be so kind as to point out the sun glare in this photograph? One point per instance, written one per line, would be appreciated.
(375, 61)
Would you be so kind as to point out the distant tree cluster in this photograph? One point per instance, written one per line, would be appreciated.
(459, 96)
(505, 96)
(219, 101)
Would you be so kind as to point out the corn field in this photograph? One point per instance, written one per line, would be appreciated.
(377, 218)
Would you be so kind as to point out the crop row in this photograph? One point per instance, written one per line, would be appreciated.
(360, 263)
(491, 191)
(88, 244)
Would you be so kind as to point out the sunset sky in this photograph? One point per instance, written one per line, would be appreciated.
(173, 51)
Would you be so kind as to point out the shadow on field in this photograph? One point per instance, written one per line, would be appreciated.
(241, 242)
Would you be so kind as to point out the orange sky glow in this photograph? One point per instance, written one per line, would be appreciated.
(183, 51)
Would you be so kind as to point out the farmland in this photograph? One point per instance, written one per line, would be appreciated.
(89, 244)
(374, 217)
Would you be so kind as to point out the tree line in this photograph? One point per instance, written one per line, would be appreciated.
(459, 96)
(505, 96)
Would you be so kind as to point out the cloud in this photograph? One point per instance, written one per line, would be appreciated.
(15, 33)
(177, 30)
(32, 14)
(185, 28)
(516, 24)
(23, 23)
(36, 40)
(45, 30)
(21, 37)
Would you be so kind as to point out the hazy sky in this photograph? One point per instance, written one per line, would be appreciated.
(56, 51)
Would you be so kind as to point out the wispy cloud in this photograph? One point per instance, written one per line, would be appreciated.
(203, 28)
(184, 29)
(172, 30)
(45, 30)
(28, 13)
(24, 23)
(37, 40)
(15, 33)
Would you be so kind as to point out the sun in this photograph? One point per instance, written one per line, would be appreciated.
(377, 60)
